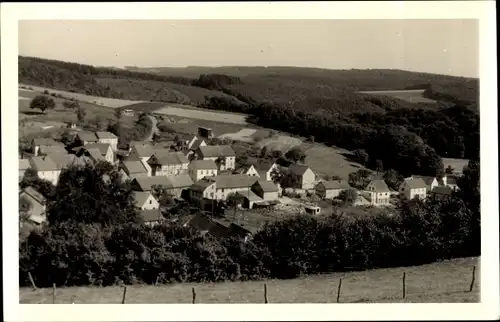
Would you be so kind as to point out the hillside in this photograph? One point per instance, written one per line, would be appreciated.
(442, 282)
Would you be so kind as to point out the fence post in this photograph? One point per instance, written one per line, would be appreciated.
(404, 284)
(53, 293)
(32, 281)
(194, 295)
(338, 290)
(473, 278)
(124, 294)
(265, 293)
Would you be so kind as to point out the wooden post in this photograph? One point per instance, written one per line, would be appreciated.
(53, 293)
(404, 284)
(473, 278)
(32, 281)
(265, 293)
(338, 290)
(124, 294)
(194, 295)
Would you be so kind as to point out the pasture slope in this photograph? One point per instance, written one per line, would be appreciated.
(442, 282)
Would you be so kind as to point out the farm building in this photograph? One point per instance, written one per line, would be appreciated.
(33, 204)
(107, 138)
(133, 169)
(223, 155)
(412, 188)
(265, 169)
(103, 149)
(66, 160)
(24, 165)
(249, 170)
(377, 193)
(198, 169)
(202, 193)
(227, 184)
(331, 189)
(52, 149)
(430, 182)
(174, 185)
(266, 190)
(144, 200)
(250, 198)
(84, 138)
(152, 217)
(127, 112)
(208, 226)
(146, 183)
(205, 132)
(305, 177)
(442, 192)
(45, 168)
(166, 163)
(38, 143)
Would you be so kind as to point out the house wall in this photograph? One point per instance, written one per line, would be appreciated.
(252, 172)
(229, 164)
(112, 142)
(110, 156)
(221, 194)
(307, 181)
(421, 193)
(198, 174)
(145, 163)
(52, 176)
(332, 193)
(172, 169)
(268, 196)
(151, 203)
(152, 223)
(379, 198)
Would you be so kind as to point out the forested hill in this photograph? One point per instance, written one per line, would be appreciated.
(319, 103)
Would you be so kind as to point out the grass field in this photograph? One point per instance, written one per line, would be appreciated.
(222, 117)
(442, 282)
(412, 96)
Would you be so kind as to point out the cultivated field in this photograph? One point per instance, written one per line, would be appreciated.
(456, 164)
(328, 160)
(280, 142)
(203, 114)
(442, 282)
(244, 135)
(412, 96)
(101, 101)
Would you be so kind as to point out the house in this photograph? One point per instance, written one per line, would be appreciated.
(38, 143)
(450, 181)
(305, 177)
(33, 203)
(377, 193)
(265, 169)
(24, 165)
(142, 153)
(152, 217)
(223, 155)
(45, 168)
(166, 163)
(174, 185)
(202, 193)
(230, 183)
(412, 188)
(94, 149)
(144, 200)
(195, 142)
(127, 112)
(331, 189)
(52, 149)
(250, 198)
(442, 192)
(430, 182)
(84, 138)
(205, 132)
(107, 138)
(66, 160)
(147, 183)
(131, 169)
(198, 169)
(266, 190)
(249, 170)
(208, 226)
(241, 231)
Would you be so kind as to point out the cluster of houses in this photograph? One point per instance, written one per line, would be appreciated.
(201, 172)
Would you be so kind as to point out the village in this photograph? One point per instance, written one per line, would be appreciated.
(194, 171)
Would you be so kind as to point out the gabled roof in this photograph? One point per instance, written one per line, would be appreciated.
(165, 157)
(30, 191)
(150, 215)
(105, 135)
(87, 136)
(201, 185)
(416, 183)
(43, 164)
(267, 186)
(241, 231)
(230, 181)
(145, 183)
(95, 154)
(201, 222)
(212, 151)
(196, 144)
(250, 195)
(141, 197)
(52, 149)
(45, 141)
(440, 190)
(102, 147)
(335, 184)
(144, 151)
(380, 185)
(264, 165)
(180, 181)
(203, 165)
(298, 169)
(133, 167)
(428, 180)
(24, 164)
(66, 160)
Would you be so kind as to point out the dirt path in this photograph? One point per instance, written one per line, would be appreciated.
(154, 128)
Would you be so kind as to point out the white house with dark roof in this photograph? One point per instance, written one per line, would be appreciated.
(84, 138)
(266, 190)
(430, 182)
(104, 149)
(226, 184)
(223, 155)
(265, 169)
(249, 170)
(202, 192)
(411, 188)
(198, 169)
(45, 168)
(152, 217)
(174, 185)
(66, 160)
(131, 169)
(107, 138)
(144, 200)
(52, 149)
(34, 204)
(305, 177)
(166, 163)
(38, 143)
(331, 189)
(377, 193)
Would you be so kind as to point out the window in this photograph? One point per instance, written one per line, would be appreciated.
(150, 202)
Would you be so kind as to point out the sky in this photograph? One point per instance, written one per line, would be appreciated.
(444, 46)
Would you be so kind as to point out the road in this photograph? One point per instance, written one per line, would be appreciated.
(154, 129)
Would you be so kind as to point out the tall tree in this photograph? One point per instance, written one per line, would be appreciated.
(42, 103)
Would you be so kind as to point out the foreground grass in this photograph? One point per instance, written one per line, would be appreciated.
(442, 282)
